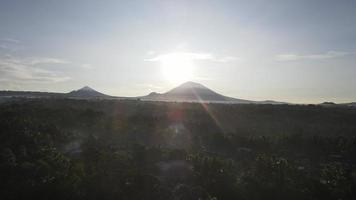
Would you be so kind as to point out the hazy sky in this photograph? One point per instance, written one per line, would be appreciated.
(301, 51)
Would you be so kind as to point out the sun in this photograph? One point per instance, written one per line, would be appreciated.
(177, 67)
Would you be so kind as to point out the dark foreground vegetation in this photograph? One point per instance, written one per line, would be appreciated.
(78, 149)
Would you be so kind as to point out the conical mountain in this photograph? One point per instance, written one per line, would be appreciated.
(193, 92)
(86, 92)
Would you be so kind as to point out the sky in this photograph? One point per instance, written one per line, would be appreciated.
(299, 51)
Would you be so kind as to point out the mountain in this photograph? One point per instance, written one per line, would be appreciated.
(193, 92)
(83, 93)
(86, 92)
(29, 94)
(352, 104)
(186, 92)
(332, 104)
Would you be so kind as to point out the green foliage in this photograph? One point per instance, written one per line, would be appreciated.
(78, 149)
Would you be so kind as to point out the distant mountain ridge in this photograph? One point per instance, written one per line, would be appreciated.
(332, 104)
(186, 92)
(85, 92)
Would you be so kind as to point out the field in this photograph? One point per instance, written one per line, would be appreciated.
(129, 149)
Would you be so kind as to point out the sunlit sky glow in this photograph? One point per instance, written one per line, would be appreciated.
(299, 51)
(176, 67)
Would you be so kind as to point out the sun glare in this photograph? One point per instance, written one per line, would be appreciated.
(177, 67)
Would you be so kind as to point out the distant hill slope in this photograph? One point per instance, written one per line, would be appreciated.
(196, 92)
(30, 94)
(85, 92)
(352, 104)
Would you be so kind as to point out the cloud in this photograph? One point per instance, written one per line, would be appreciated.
(9, 40)
(45, 60)
(13, 69)
(150, 53)
(191, 56)
(29, 69)
(86, 66)
(323, 56)
(226, 59)
(9, 44)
